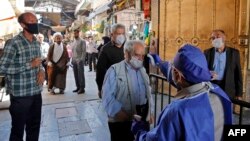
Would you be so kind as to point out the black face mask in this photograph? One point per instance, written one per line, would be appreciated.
(32, 28)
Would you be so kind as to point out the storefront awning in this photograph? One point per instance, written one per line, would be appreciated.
(99, 10)
(82, 7)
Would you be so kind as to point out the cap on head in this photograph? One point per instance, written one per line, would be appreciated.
(192, 63)
(57, 34)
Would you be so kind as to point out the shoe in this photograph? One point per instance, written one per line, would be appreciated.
(81, 91)
(76, 90)
(52, 92)
(61, 92)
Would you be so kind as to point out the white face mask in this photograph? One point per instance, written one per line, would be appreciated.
(217, 43)
(120, 39)
(137, 64)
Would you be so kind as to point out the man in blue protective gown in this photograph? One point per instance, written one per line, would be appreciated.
(201, 109)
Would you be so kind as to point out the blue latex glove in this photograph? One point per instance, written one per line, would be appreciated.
(154, 59)
(138, 126)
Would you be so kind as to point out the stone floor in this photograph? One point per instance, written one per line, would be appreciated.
(73, 117)
(67, 117)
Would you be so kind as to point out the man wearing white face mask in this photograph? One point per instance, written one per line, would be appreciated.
(126, 91)
(224, 63)
(111, 53)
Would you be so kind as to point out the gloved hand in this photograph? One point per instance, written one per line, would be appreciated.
(138, 126)
(154, 59)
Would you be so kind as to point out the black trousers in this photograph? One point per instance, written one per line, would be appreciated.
(92, 60)
(121, 131)
(25, 114)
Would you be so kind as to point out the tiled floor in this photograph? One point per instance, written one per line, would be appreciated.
(72, 117)
(68, 117)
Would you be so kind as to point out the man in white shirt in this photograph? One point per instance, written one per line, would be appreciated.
(44, 52)
(92, 53)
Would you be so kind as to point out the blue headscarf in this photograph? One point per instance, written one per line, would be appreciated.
(193, 64)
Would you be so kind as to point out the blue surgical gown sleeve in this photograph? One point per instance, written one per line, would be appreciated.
(179, 122)
(167, 129)
(111, 105)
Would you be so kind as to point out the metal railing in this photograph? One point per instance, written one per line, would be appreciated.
(242, 104)
(159, 81)
(158, 89)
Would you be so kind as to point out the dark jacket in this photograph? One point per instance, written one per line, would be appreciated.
(232, 80)
(109, 55)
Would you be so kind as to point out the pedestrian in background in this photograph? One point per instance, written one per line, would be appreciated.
(44, 51)
(78, 59)
(21, 65)
(111, 53)
(200, 110)
(58, 62)
(105, 40)
(224, 63)
(92, 53)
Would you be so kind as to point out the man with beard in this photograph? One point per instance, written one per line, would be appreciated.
(78, 59)
(58, 59)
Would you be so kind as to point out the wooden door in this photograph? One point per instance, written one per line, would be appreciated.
(191, 21)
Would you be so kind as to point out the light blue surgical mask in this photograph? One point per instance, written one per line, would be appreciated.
(217, 43)
(136, 63)
(120, 39)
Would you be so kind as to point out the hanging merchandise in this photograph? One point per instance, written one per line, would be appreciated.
(146, 29)
(146, 8)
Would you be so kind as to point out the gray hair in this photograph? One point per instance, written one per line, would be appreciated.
(116, 26)
(129, 45)
(40, 35)
(57, 34)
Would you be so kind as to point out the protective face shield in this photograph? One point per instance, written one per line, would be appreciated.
(136, 63)
(120, 39)
(32, 28)
(217, 43)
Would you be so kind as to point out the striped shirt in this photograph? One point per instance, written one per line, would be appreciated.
(15, 64)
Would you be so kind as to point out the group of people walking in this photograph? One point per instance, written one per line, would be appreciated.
(201, 109)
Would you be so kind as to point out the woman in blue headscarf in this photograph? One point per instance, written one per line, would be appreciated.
(201, 109)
